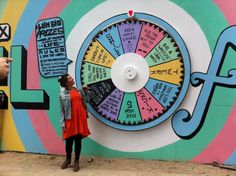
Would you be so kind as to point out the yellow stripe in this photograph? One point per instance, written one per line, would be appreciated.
(11, 15)
(9, 136)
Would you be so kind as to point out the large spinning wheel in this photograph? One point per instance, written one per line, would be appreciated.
(138, 71)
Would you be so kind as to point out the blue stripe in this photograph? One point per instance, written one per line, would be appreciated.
(26, 132)
(22, 35)
(231, 160)
(27, 22)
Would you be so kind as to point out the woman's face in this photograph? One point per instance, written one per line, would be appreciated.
(70, 81)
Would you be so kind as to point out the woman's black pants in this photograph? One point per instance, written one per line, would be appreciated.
(69, 146)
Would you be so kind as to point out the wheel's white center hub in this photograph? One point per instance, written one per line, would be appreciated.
(130, 72)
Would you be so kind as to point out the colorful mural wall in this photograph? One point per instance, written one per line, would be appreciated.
(161, 75)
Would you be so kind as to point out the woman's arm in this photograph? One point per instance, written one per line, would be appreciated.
(62, 120)
(85, 93)
(85, 98)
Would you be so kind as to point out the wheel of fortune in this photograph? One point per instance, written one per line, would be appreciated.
(137, 69)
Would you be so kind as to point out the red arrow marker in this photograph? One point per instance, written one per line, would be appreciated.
(130, 13)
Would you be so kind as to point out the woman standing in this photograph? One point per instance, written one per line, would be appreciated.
(74, 118)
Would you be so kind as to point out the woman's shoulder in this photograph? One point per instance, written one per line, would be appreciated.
(78, 89)
(63, 92)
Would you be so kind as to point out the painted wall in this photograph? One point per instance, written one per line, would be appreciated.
(195, 122)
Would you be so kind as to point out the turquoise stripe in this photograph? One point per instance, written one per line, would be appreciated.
(22, 36)
(75, 11)
(207, 15)
(90, 147)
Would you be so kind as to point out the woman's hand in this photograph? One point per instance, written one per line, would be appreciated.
(64, 128)
(4, 66)
(85, 87)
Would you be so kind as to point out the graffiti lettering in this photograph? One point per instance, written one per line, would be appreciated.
(50, 42)
(21, 98)
(183, 124)
(49, 32)
(5, 32)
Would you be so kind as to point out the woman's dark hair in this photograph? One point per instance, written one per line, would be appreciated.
(63, 80)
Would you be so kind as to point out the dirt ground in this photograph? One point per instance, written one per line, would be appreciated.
(27, 164)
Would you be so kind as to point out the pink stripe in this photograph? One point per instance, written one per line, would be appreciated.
(228, 9)
(39, 118)
(46, 133)
(224, 143)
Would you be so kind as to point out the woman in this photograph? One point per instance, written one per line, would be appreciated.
(74, 118)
